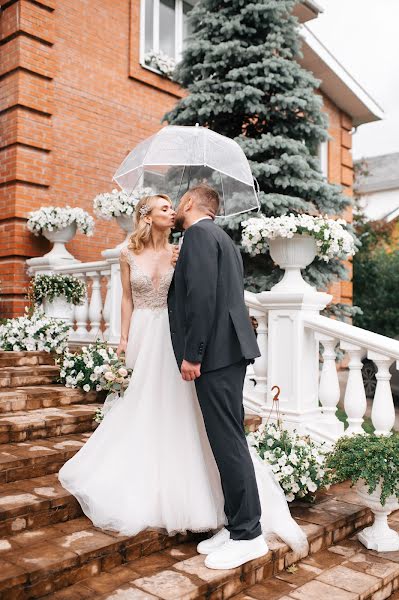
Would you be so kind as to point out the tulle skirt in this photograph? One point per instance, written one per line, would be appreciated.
(149, 463)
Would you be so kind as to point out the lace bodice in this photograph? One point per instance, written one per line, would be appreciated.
(144, 293)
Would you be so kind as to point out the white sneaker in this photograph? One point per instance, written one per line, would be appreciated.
(215, 542)
(234, 553)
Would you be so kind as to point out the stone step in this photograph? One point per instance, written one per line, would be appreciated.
(343, 571)
(81, 562)
(30, 504)
(43, 396)
(36, 563)
(20, 426)
(36, 458)
(23, 359)
(12, 376)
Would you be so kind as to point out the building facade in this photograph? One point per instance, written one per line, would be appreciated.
(76, 97)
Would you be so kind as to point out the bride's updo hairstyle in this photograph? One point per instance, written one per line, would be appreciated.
(141, 229)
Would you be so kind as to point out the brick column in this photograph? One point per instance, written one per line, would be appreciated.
(26, 103)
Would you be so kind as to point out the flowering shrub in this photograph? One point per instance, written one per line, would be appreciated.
(161, 62)
(48, 287)
(298, 463)
(371, 458)
(50, 218)
(95, 367)
(34, 333)
(118, 202)
(332, 239)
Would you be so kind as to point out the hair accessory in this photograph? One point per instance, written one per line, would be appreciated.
(144, 210)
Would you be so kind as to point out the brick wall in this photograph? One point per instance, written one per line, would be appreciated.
(74, 100)
(340, 171)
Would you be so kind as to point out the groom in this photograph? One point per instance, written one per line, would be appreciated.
(213, 341)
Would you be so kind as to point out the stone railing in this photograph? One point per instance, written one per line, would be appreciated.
(290, 333)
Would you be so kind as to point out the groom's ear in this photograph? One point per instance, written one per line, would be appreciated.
(189, 204)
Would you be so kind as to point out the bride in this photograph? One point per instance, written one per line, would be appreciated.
(149, 463)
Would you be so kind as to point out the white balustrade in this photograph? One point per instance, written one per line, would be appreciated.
(383, 412)
(255, 396)
(329, 390)
(355, 402)
(92, 318)
(383, 351)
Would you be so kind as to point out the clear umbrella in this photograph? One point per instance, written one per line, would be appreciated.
(177, 158)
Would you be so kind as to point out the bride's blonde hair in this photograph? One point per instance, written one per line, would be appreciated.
(141, 229)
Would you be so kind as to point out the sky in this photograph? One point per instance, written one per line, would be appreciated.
(363, 35)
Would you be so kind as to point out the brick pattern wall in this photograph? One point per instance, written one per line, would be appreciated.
(340, 171)
(74, 100)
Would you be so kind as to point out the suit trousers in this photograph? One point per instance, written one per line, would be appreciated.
(220, 398)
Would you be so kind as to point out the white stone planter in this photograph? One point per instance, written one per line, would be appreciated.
(125, 222)
(60, 237)
(379, 536)
(293, 254)
(59, 308)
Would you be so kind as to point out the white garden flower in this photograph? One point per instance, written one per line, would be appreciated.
(86, 387)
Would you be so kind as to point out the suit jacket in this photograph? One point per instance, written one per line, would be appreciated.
(209, 321)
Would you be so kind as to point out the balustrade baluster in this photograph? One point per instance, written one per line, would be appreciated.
(355, 402)
(329, 390)
(95, 306)
(107, 303)
(383, 411)
(81, 313)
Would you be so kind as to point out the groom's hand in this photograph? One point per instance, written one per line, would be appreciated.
(190, 371)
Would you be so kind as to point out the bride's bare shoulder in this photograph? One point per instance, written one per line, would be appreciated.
(125, 254)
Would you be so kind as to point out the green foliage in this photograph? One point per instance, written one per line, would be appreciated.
(375, 288)
(48, 287)
(241, 71)
(369, 457)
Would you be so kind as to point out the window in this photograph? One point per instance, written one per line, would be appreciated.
(323, 158)
(164, 26)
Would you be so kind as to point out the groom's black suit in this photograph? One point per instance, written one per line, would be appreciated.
(210, 325)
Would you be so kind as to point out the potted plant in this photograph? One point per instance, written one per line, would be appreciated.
(160, 62)
(294, 241)
(34, 333)
(371, 463)
(59, 225)
(298, 463)
(119, 204)
(57, 294)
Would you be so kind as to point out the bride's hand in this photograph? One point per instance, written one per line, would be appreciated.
(121, 349)
(175, 255)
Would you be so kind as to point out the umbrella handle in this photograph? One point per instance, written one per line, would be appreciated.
(257, 190)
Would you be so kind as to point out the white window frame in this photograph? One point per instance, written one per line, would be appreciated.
(322, 153)
(155, 32)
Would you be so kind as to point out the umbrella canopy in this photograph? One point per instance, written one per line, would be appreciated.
(177, 158)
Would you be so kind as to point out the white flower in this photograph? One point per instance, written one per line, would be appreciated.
(118, 202)
(86, 387)
(54, 217)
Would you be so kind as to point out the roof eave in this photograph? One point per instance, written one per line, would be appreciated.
(307, 10)
(337, 83)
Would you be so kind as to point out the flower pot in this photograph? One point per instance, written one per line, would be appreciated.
(379, 536)
(59, 308)
(60, 237)
(125, 222)
(292, 255)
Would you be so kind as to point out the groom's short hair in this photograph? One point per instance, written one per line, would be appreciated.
(205, 198)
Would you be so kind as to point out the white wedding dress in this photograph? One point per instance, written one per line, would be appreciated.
(149, 463)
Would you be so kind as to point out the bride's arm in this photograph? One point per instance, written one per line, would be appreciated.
(126, 307)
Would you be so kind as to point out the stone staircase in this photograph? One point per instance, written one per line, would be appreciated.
(49, 549)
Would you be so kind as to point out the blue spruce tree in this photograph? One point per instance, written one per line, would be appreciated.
(244, 81)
